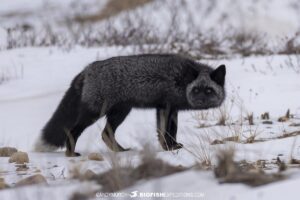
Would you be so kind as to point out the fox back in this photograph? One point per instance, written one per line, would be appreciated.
(153, 81)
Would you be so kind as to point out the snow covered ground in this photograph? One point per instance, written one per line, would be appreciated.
(33, 80)
(254, 84)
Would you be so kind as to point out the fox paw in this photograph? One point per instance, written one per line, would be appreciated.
(72, 154)
(173, 146)
(177, 146)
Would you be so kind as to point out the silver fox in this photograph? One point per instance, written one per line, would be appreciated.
(113, 87)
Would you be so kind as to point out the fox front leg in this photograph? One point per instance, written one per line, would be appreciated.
(167, 120)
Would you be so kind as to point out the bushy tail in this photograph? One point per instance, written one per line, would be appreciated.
(54, 133)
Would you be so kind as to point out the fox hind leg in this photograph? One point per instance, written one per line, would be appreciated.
(115, 117)
(85, 118)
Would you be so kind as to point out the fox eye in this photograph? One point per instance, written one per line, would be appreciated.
(196, 90)
(208, 90)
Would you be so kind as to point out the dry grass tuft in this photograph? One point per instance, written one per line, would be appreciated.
(223, 116)
(250, 119)
(292, 45)
(281, 165)
(120, 177)
(265, 116)
(286, 117)
(123, 175)
(229, 171)
(291, 134)
(295, 161)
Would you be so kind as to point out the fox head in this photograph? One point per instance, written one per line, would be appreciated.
(207, 90)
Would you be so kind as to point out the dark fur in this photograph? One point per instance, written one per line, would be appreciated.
(113, 87)
(65, 115)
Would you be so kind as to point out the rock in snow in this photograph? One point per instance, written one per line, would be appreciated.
(95, 156)
(19, 158)
(31, 180)
(7, 151)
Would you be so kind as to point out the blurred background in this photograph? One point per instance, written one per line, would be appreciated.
(44, 44)
(197, 28)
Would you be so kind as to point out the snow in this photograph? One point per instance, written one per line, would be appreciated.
(62, 192)
(39, 95)
(204, 182)
(27, 102)
(35, 80)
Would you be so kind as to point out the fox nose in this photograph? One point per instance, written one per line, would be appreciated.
(201, 100)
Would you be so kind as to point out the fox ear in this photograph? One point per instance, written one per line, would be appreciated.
(218, 75)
